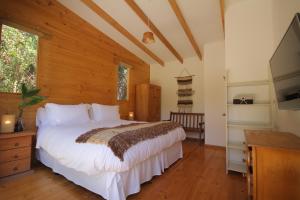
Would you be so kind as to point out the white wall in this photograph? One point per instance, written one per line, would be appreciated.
(253, 30)
(283, 13)
(165, 77)
(248, 39)
(214, 93)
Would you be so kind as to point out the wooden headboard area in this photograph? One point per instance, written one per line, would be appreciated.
(76, 62)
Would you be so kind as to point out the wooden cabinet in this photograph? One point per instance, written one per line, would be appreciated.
(15, 152)
(148, 102)
(273, 165)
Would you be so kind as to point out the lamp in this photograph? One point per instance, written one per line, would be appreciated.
(131, 115)
(148, 37)
(7, 123)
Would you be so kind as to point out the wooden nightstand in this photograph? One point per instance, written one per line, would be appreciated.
(15, 152)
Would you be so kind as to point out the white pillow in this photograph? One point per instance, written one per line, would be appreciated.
(105, 112)
(41, 117)
(89, 109)
(66, 114)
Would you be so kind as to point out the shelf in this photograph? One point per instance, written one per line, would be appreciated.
(249, 83)
(237, 166)
(249, 125)
(236, 145)
(255, 104)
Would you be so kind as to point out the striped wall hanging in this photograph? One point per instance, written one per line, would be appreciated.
(185, 92)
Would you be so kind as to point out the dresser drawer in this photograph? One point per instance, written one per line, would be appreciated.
(14, 167)
(15, 154)
(16, 142)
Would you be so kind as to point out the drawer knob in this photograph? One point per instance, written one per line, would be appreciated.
(16, 156)
(15, 168)
(16, 144)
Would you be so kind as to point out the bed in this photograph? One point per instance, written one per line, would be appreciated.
(96, 167)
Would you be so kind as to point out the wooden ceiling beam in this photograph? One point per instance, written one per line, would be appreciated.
(100, 12)
(222, 7)
(154, 29)
(185, 27)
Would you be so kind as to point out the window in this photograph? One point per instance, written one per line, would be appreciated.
(18, 59)
(123, 74)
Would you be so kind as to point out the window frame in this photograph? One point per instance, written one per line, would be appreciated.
(28, 30)
(128, 67)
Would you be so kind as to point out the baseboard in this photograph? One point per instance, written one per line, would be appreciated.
(215, 146)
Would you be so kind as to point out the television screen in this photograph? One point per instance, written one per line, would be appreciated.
(285, 67)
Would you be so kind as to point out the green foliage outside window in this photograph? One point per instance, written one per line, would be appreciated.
(122, 82)
(18, 58)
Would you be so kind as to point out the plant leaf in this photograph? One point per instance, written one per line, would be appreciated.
(24, 90)
(31, 93)
(34, 100)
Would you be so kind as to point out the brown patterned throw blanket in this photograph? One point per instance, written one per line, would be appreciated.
(121, 138)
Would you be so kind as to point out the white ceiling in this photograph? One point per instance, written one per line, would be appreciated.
(202, 16)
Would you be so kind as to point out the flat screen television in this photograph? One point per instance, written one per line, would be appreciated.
(285, 68)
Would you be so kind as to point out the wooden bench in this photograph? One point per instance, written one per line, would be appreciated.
(191, 122)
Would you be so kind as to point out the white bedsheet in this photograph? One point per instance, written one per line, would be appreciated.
(92, 159)
(117, 185)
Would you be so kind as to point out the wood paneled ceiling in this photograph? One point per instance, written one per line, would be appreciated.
(181, 27)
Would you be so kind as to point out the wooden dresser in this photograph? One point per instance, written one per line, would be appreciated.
(15, 152)
(273, 165)
(148, 102)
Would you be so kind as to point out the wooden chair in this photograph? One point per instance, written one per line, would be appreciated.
(191, 122)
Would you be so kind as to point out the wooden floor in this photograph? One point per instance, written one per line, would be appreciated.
(199, 175)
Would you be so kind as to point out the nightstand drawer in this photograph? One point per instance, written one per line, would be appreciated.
(15, 154)
(14, 167)
(16, 142)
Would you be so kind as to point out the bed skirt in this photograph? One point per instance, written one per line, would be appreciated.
(117, 185)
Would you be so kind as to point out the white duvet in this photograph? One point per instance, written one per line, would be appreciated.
(59, 142)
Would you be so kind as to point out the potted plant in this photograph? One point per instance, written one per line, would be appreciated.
(29, 97)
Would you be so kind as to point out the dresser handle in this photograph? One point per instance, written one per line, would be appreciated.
(16, 144)
(15, 168)
(16, 156)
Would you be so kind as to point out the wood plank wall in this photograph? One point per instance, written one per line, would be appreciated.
(76, 63)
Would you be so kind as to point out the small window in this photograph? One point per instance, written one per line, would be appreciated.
(18, 59)
(123, 74)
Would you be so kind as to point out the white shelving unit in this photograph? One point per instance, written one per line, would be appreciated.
(236, 145)
(237, 166)
(256, 104)
(245, 116)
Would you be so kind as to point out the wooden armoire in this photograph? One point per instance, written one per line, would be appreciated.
(147, 102)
